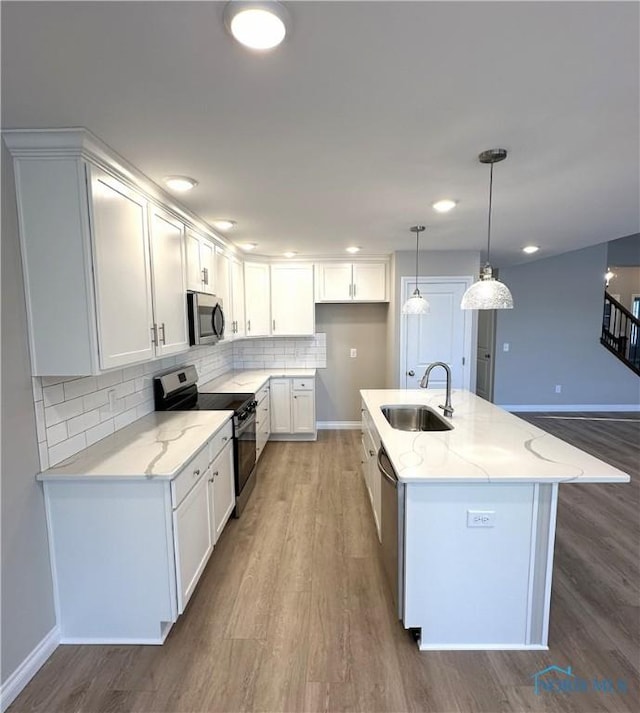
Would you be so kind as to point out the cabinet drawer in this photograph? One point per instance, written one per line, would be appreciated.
(220, 440)
(303, 384)
(182, 484)
(262, 393)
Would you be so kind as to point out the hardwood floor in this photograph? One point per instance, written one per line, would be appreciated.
(293, 612)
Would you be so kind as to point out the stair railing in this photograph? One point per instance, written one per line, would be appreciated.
(621, 332)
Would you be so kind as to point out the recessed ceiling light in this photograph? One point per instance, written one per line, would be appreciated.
(353, 249)
(257, 25)
(290, 253)
(530, 249)
(248, 246)
(224, 224)
(180, 184)
(445, 205)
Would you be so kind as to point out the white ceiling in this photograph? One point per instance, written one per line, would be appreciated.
(365, 115)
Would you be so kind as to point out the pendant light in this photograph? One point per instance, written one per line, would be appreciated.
(488, 293)
(416, 304)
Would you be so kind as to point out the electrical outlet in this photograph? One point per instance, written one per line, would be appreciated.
(481, 518)
(505, 347)
(353, 353)
(558, 388)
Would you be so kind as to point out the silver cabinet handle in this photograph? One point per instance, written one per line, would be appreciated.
(248, 325)
(211, 480)
(274, 325)
(196, 473)
(205, 275)
(411, 372)
(225, 438)
(163, 337)
(350, 290)
(154, 335)
(216, 473)
(354, 289)
(371, 453)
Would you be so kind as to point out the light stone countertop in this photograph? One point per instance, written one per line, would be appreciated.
(487, 444)
(251, 380)
(156, 446)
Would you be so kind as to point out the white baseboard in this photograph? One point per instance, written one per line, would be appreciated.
(339, 425)
(12, 687)
(569, 407)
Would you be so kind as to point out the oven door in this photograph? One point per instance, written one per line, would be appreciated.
(245, 450)
(206, 318)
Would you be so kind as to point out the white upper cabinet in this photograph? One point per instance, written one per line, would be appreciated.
(200, 263)
(351, 282)
(257, 299)
(223, 289)
(121, 272)
(105, 270)
(292, 304)
(168, 272)
(237, 297)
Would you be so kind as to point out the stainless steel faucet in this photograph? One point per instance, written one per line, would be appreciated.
(424, 383)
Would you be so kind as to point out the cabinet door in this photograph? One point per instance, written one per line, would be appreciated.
(376, 492)
(169, 282)
(280, 405)
(369, 282)
(192, 540)
(304, 412)
(292, 303)
(257, 298)
(223, 291)
(194, 271)
(222, 493)
(237, 292)
(121, 272)
(207, 263)
(333, 282)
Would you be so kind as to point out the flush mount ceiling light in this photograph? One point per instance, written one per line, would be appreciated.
(180, 184)
(290, 253)
(257, 25)
(416, 304)
(530, 249)
(488, 293)
(353, 249)
(247, 247)
(224, 224)
(445, 205)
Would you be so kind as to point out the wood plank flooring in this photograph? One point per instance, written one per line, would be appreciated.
(293, 612)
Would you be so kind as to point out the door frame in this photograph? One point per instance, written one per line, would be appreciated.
(468, 317)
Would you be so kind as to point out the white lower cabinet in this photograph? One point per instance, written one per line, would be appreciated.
(293, 407)
(128, 553)
(370, 472)
(263, 419)
(222, 492)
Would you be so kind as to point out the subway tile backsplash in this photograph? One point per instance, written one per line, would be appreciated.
(72, 413)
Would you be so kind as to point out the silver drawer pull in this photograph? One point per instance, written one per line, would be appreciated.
(225, 438)
(211, 480)
(196, 473)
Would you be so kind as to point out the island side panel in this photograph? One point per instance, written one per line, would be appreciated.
(114, 570)
(468, 587)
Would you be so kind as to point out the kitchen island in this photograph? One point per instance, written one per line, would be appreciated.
(480, 504)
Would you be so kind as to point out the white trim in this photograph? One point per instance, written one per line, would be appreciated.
(569, 407)
(339, 425)
(113, 641)
(12, 687)
(532, 562)
(482, 647)
(553, 513)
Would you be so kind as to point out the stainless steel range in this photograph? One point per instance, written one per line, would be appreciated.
(177, 390)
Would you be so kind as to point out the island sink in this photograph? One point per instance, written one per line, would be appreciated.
(414, 418)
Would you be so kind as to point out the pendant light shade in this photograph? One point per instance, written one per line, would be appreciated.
(416, 304)
(488, 293)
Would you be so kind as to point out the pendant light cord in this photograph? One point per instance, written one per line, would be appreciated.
(489, 225)
(417, 237)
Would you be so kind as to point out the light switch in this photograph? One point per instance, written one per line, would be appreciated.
(354, 353)
(505, 347)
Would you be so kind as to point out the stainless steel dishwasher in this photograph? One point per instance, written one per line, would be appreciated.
(392, 529)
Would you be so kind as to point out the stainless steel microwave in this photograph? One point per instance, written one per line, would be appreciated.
(206, 318)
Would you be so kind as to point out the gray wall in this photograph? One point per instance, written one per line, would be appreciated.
(27, 608)
(438, 263)
(553, 334)
(363, 326)
(624, 252)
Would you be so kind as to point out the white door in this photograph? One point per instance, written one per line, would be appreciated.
(443, 334)
(369, 282)
(485, 353)
(168, 272)
(292, 305)
(280, 405)
(303, 412)
(257, 299)
(121, 272)
(237, 297)
(334, 282)
(222, 493)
